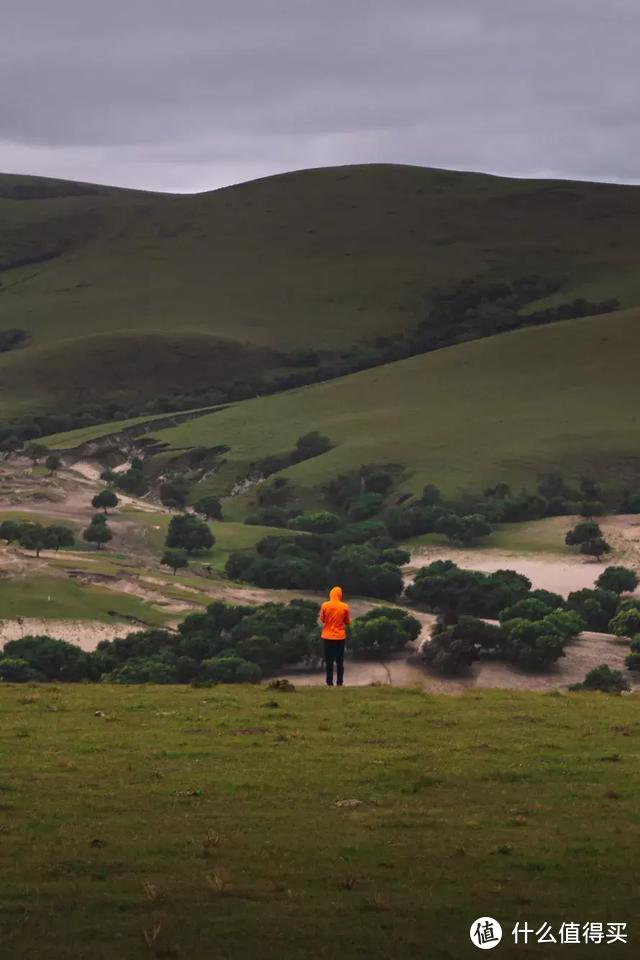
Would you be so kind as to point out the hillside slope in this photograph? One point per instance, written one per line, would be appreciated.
(502, 408)
(322, 258)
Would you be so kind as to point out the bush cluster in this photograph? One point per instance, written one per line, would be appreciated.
(35, 536)
(534, 625)
(357, 557)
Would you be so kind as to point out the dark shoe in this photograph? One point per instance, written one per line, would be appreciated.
(329, 683)
(340, 683)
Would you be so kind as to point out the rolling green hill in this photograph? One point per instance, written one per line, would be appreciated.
(211, 288)
(502, 408)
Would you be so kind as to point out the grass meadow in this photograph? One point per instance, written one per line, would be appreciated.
(205, 823)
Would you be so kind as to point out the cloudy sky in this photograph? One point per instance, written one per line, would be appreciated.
(194, 94)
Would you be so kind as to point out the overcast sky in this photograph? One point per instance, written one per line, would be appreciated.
(195, 94)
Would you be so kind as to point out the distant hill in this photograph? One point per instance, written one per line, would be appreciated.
(216, 287)
(505, 408)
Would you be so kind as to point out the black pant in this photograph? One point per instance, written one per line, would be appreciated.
(334, 653)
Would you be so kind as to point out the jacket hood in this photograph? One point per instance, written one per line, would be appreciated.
(335, 594)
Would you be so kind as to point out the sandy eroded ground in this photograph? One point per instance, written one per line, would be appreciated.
(67, 495)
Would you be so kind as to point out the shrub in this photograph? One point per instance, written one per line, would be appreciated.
(268, 517)
(528, 609)
(464, 530)
(16, 670)
(143, 670)
(324, 522)
(365, 506)
(454, 648)
(632, 661)
(626, 622)
(533, 645)
(596, 607)
(396, 556)
(174, 492)
(311, 445)
(231, 670)
(52, 659)
(605, 679)
(209, 507)
(382, 631)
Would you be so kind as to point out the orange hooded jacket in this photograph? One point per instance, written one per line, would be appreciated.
(334, 616)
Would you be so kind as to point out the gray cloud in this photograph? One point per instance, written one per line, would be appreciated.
(200, 93)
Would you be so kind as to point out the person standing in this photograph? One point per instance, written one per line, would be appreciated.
(335, 618)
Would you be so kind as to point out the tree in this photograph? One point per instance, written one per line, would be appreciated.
(53, 463)
(209, 507)
(97, 533)
(104, 500)
(10, 530)
(618, 580)
(190, 534)
(109, 476)
(176, 559)
(58, 536)
(595, 548)
(582, 532)
(33, 537)
(174, 492)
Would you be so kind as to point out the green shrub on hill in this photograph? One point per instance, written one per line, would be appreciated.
(605, 679)
(382, 631)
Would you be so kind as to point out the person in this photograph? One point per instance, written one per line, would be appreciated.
(335, 618)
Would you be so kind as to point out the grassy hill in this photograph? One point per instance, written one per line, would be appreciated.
(504, 408)
(212, 287)
(181, 822)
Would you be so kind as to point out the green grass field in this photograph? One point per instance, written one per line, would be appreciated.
(229, 536)
(535, 536)
(506, 408)
(207, 287)
(203, 823)
(57, 598)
